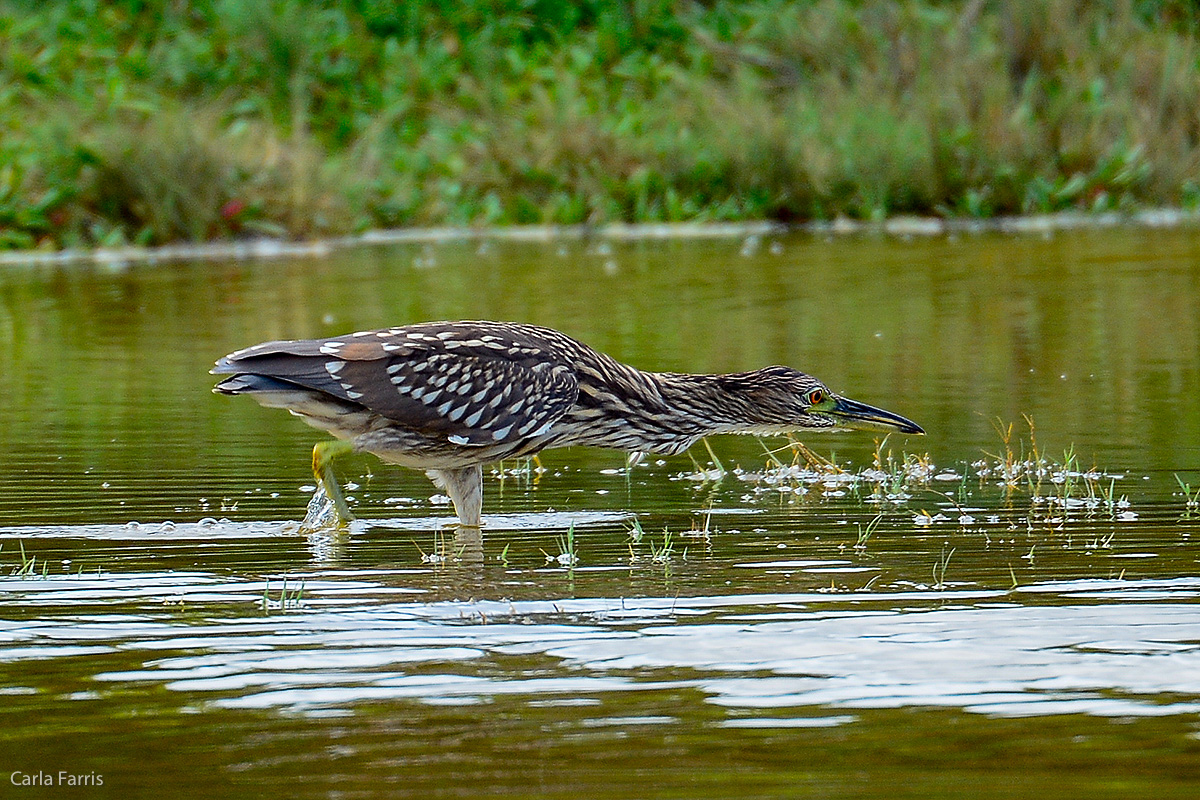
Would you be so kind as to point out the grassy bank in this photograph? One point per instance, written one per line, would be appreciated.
(162, 121)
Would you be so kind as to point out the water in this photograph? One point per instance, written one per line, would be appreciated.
(667, 630)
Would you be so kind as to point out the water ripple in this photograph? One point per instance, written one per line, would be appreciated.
(971, 650)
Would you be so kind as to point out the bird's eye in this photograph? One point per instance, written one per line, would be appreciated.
(816, 397)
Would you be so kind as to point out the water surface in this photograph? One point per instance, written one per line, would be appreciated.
(768, 626)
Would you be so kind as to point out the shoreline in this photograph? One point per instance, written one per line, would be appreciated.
(901, 227)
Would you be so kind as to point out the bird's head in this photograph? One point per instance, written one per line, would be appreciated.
(784, 399)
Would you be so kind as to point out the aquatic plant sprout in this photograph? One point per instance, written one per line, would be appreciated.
(1054, 490)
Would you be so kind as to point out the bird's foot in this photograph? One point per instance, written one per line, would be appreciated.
(324, 455)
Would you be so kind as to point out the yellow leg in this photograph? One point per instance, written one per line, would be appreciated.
(322, 463)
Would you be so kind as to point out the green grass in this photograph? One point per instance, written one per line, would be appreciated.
(153, 122)
(865, 533)
(288, 598)
(1191, 497)
(567, 555)
(940, 566)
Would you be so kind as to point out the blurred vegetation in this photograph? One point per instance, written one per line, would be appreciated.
(160, 120)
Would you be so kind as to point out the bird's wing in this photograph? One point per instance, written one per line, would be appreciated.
(465, 389)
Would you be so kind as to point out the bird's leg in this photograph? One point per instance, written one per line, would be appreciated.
(465, 487)
(324, 454)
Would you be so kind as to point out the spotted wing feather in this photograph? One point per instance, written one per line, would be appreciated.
(469, 390)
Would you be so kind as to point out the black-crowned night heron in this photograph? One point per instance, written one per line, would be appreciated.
(449, 397)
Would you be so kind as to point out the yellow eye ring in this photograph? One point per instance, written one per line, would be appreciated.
(816, 397)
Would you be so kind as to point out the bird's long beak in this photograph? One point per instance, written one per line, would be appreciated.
(860, 416)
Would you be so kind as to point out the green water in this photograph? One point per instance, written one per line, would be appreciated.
(778, 629)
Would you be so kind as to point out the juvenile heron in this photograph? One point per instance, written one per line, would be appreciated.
(449, 397)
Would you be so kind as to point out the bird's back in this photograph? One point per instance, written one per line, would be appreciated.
(448, 394)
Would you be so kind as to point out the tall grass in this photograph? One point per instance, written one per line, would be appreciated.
(157, 121)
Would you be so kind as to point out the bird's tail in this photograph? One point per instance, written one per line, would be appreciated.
(245, 383)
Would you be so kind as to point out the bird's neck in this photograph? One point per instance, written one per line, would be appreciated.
(708, 404)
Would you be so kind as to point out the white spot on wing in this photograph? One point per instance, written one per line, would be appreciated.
(456, 439)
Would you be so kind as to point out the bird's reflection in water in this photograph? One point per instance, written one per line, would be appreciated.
(457, 559)
(454, 546)
(327, 546)
(467, 545)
